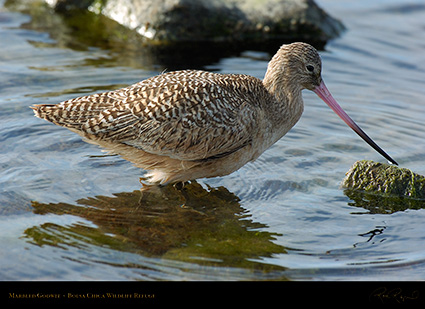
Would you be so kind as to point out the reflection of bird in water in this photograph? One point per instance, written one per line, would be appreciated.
(210, 228)
(191, 124)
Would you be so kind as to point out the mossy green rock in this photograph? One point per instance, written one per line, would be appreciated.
(374, 177)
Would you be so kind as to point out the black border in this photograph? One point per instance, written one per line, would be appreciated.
(16, 293)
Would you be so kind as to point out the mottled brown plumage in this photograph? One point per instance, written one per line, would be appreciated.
(192, 124)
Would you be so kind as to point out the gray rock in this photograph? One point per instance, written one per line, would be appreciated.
(215, 20)
(66, 5)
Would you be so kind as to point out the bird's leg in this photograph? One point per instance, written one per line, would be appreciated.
(142, 181)
(143, 190)
(179, 186)
(189, 203)
(146, 187)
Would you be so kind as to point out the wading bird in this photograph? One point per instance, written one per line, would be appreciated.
(190, 124)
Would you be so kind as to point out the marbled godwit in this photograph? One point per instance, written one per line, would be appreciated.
(185, 125)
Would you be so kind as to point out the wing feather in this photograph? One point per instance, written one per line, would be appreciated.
(186, 115)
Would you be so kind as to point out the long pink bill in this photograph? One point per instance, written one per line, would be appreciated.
(323, 92)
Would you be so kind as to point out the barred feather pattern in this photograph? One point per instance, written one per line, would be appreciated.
(189, 124)
(185, 115)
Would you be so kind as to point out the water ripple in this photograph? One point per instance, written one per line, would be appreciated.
(376, 72)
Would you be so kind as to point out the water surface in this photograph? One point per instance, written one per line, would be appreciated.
(70, 212)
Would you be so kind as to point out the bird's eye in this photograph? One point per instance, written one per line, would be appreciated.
(310, 68)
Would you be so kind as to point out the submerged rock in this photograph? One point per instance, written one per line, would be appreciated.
(373, 177)
(215, 20)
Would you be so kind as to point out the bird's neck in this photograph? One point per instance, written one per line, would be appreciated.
(287, 98)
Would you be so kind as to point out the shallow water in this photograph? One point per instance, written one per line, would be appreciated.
(70, 212)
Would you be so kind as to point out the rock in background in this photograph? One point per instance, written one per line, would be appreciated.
(165, 21)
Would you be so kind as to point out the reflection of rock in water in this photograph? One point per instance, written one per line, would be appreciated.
(213, 229)
(383, 204)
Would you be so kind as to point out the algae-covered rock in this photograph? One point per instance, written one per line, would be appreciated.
(383, 188)
(377, 177)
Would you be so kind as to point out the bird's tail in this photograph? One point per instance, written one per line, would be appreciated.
(49, 112)
(59, 115)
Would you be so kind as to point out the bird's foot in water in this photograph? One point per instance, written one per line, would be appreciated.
(150, 188)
